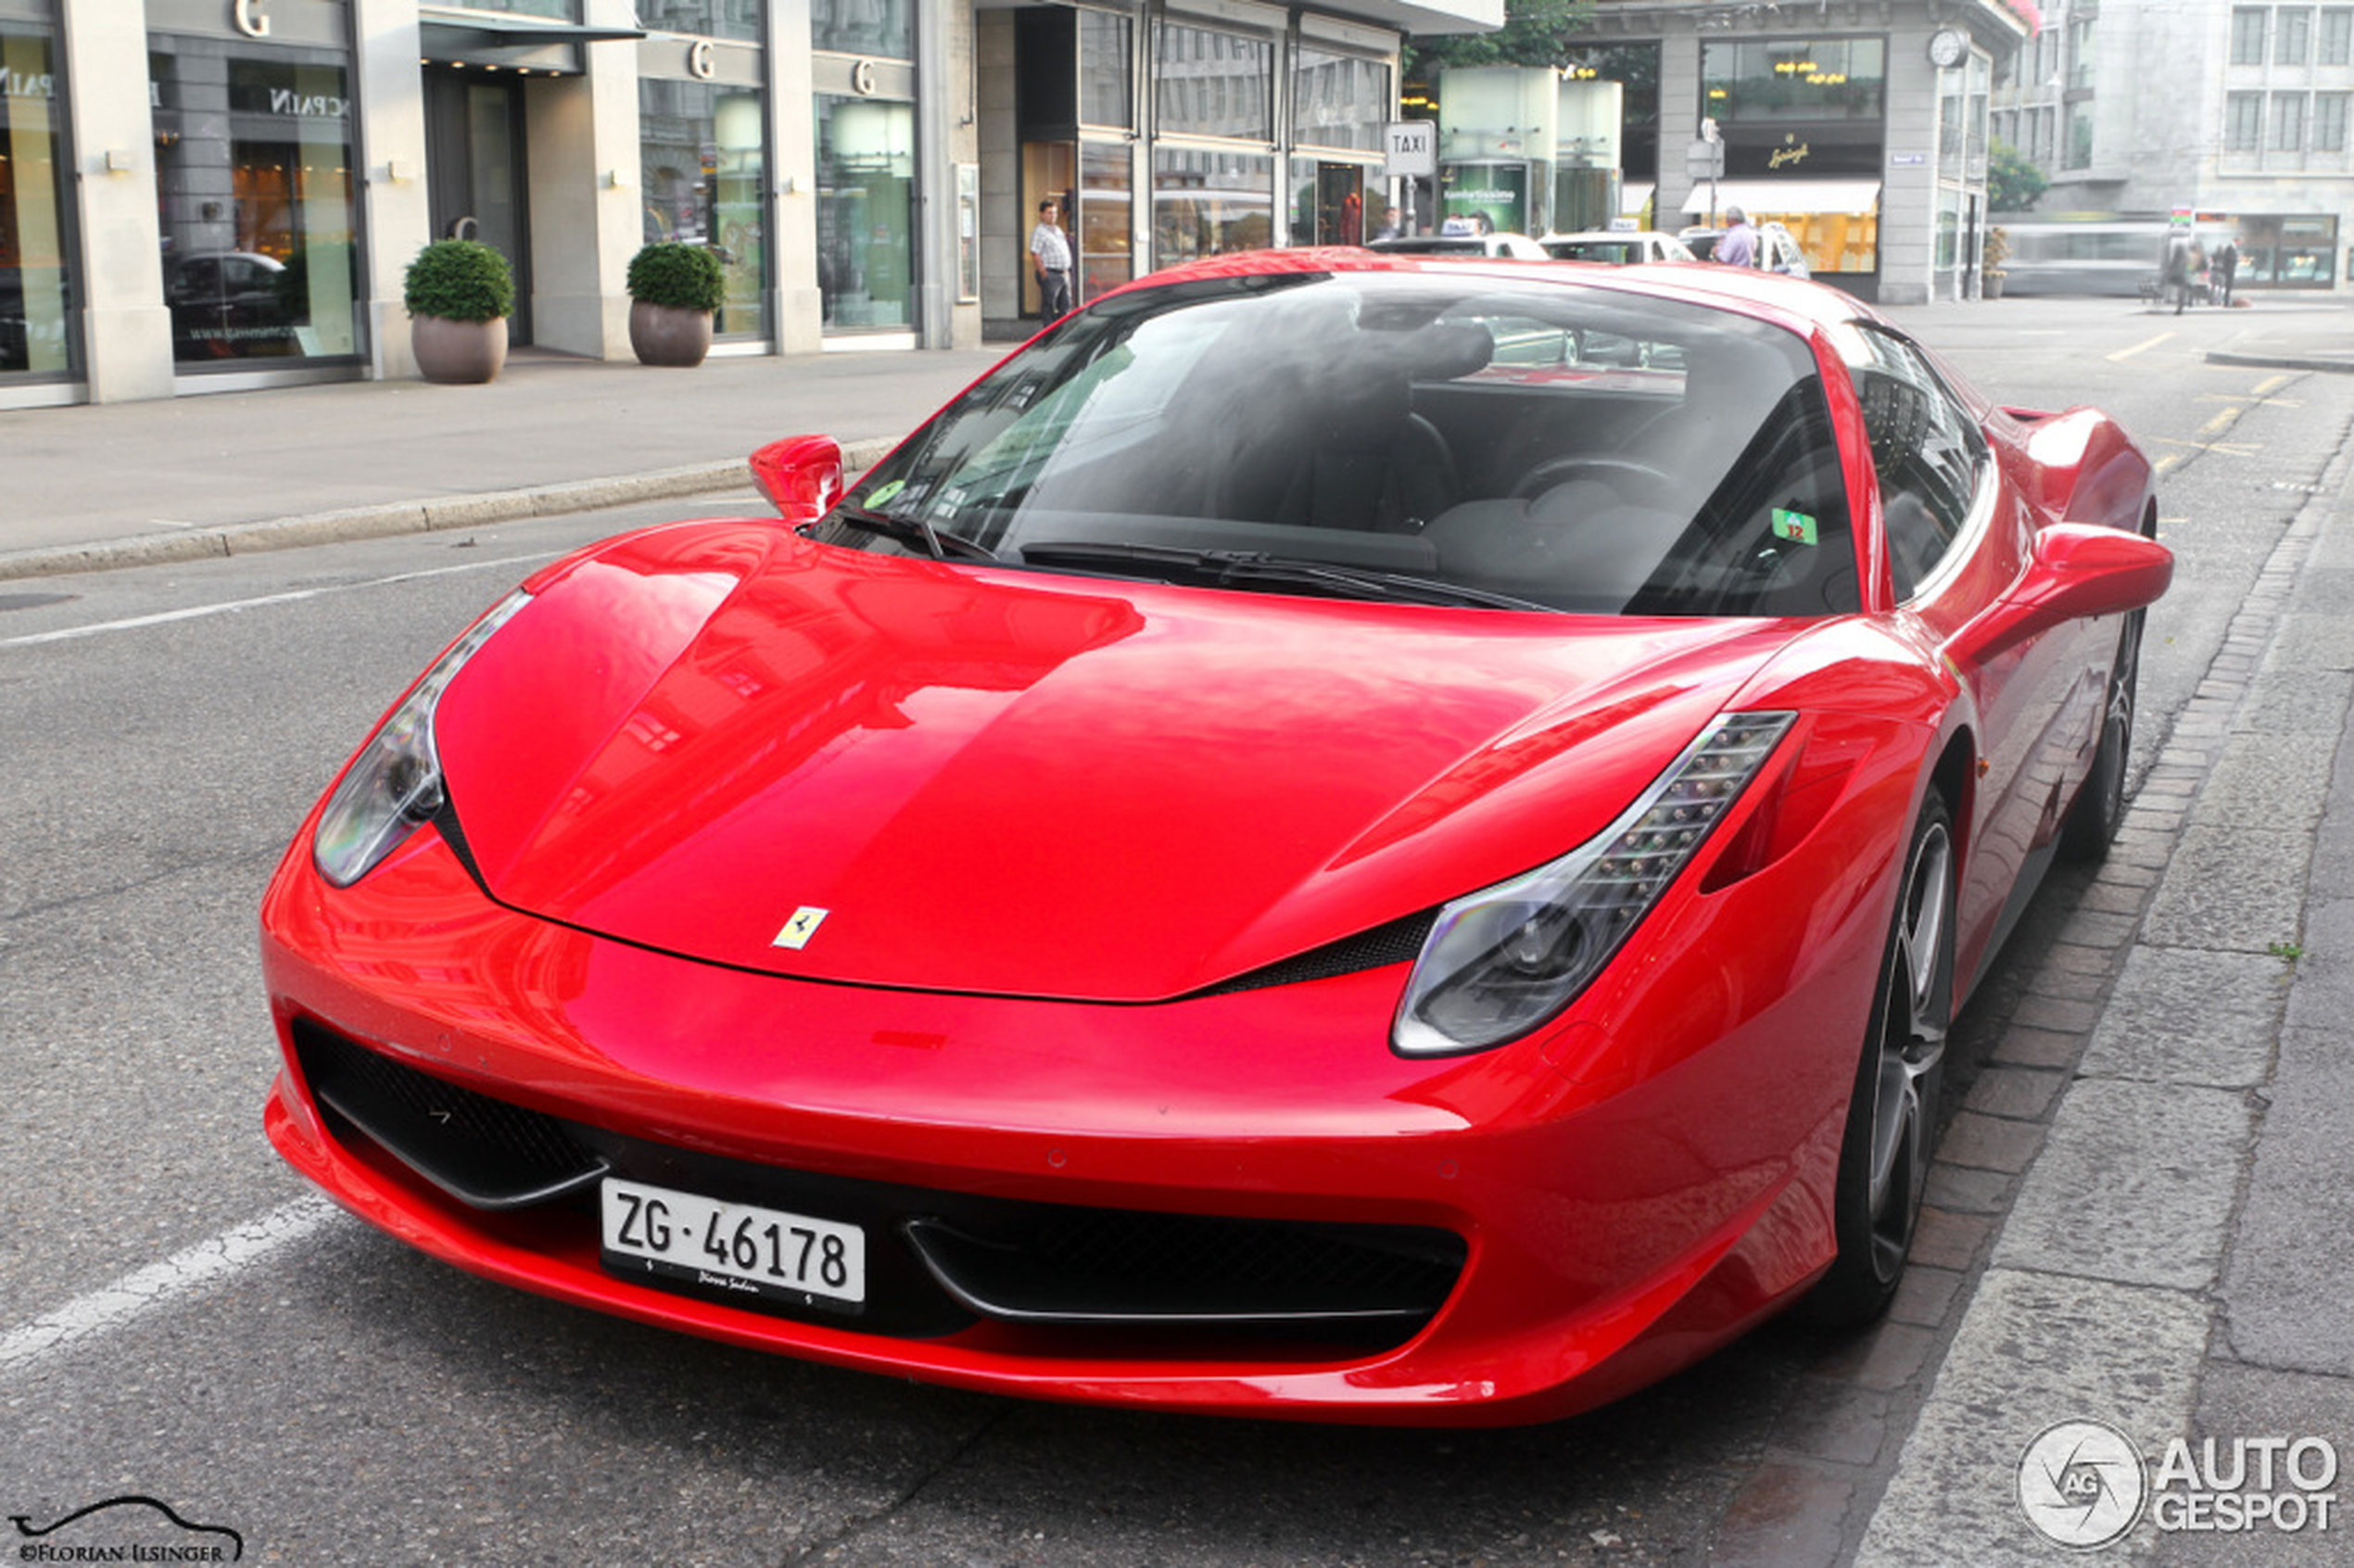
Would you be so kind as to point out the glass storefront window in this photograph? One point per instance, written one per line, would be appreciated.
(1105, 200)
(1767, 81)
(1106, 69)
(1338, 101)
(33, 339)
(1212, 83)
(864, 26)
(255, 182)
(1209, 203)
(1328, 202)
(702, 154)
(866, 212)
(706, 19)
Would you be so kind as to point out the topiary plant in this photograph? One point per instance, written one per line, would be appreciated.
(682, 277)
(459, 281)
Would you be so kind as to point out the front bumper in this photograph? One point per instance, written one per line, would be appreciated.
(1586, 1209)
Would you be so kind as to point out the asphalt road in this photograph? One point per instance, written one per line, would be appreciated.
(180, 1319)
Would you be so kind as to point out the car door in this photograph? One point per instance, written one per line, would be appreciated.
(1957, 538)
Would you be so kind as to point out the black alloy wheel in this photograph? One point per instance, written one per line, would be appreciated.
(2093, 821)
(1891, 1119)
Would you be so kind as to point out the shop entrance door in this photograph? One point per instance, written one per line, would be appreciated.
(475, 179)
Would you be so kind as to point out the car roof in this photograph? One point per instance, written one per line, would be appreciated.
(1618, 234)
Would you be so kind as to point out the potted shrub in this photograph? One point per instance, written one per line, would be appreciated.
(1996, 251)
(674, 287)
(460, 294)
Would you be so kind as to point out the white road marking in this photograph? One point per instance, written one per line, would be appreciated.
(2146, 343)
(111, 1306)
(230, 607)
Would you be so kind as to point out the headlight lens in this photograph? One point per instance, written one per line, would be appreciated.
(394, 786)
(1503, 960)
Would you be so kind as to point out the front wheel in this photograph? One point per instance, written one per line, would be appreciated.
(2091, 822)
(1891, 1117)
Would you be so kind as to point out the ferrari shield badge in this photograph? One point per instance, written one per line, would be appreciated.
(800, 929)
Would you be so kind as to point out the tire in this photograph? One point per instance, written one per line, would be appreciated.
(2091, 822)
(1892, 1116)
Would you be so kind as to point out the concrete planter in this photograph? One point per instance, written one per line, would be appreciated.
(459, 353)
(664, 335)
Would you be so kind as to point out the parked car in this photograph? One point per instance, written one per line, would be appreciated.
(1266, 860)
(227, 304)
(1517, 248)
(1617, 247)
(1777, 249)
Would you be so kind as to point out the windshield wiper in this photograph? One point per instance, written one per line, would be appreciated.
(941, 542)
(1223, 568)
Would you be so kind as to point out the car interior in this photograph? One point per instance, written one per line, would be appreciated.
(1569, 448)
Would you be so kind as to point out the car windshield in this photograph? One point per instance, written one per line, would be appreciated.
(1442, 439)
(1618, 252)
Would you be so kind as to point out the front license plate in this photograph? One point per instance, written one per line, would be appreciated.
(732, 1246)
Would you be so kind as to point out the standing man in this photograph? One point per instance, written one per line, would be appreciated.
(2178, 271)
(1738, 247)
(2224, 267)
(1050, 254)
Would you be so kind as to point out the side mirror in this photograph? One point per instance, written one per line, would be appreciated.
(801, 475)
(2081, 571)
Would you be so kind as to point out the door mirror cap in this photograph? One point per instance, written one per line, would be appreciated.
(2079, 572)
(801, 475)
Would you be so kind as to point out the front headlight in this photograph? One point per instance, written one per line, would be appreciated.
(394, 786)
(1503, 960)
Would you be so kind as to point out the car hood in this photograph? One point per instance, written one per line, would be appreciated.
(726, 742)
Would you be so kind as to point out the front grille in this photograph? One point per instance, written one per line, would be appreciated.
(937, 1261)
(1100, 1266)
(483, 1152)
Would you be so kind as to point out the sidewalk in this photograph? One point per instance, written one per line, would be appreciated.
(2170, 1202)
(123, 483)
(2143, 1212)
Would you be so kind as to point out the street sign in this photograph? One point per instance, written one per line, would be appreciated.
(1410, 148)
(1704, 159)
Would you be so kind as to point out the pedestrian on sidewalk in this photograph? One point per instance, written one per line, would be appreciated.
(1050, 253)
(2224, 267)
(2177, 273)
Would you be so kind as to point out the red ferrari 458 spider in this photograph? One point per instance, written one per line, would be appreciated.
(1341, 836)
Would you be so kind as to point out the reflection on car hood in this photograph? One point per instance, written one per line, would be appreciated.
(1020, 783)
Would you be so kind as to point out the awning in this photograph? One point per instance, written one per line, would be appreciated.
(1755, 197)
(502, 41)
(1634, 196)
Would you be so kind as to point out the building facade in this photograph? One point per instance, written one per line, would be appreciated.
(1861, 126)
(199, 195)
(2222, 117)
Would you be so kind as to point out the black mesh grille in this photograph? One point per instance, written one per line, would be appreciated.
(485, 1151)
(1109, 1266)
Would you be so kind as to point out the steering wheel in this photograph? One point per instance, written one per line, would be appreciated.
(1635, 481)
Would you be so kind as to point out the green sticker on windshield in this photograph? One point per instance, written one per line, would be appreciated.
(1796, 526)
(882, 493)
